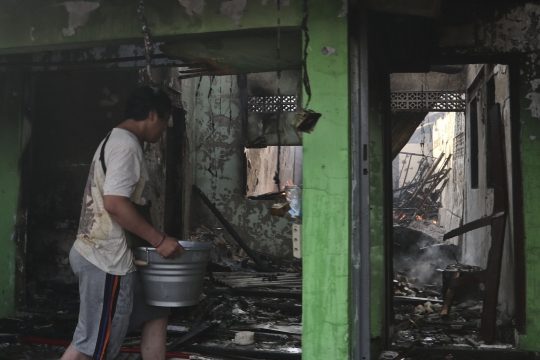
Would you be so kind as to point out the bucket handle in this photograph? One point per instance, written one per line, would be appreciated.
(142, 262)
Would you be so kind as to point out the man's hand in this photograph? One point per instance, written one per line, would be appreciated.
(170, 248)
(122, 211)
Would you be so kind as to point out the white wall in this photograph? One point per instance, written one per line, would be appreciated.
(479, 202)
(449, 138)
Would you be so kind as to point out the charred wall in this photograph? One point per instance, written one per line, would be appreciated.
(72, 113)
(215, 148)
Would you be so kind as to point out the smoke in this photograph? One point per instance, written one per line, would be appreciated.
(420, 256)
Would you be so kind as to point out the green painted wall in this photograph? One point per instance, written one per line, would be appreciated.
(10, 114)
(530, 153)
(326, 192)
(45, 24)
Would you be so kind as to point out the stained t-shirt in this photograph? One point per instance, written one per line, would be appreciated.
(100, 239)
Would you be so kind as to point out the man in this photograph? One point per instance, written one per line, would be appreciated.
(100, 257)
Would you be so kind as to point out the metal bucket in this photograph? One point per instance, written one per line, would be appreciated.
(172, 283)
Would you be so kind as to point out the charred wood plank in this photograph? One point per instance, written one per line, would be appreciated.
(482, 354)
(254, 293)
(191, 336)
(255, 354)
(414, 299)
(229, 228)
(283, 307)
(476, 224)
(449, 296)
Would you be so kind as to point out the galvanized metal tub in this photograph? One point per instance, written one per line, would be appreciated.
(173, 283)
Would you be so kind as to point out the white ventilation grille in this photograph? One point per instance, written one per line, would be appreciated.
(428, 101)
(272, 104)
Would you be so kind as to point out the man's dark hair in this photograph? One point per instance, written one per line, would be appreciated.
(144, 99)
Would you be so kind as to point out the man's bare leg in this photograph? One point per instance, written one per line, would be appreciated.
(153, 339)
(72, 354)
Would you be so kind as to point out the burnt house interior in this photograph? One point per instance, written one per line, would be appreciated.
(223, 141)
(447, 231)
(459, 171)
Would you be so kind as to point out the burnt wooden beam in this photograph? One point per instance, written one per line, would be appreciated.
(261, 264)
(414, 299)
(254, 293)
(254, 354)
(190, 337)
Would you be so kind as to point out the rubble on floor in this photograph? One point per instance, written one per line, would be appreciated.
(423, 265)
(418, 321)
(236, 298)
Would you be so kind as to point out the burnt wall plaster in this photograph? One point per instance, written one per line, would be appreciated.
(515, 30)
(193, 6)
(98, 57)
(505, 28)
(215, 154)
(36, 24)
(263, 124)
(79, 13)
(432, 81)
(233, 9)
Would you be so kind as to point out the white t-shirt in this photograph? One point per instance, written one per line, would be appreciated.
(100, 239)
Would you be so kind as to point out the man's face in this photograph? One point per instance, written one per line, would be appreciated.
(156, 126)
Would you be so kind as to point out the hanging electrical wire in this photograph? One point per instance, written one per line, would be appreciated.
(278, 99)
(305, 119)
(148, 44)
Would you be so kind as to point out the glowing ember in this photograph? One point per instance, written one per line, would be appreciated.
(434, 221)
(418, 217)
(288, 183)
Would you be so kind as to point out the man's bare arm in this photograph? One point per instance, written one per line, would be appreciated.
(124, 213)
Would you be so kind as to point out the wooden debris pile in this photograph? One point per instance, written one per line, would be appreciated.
(419, 197)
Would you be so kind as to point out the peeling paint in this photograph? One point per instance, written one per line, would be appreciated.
(193, 6)
(344, 9)
(214, 135)
(517, 30)
(98, 52)
(327, 50)
(79, 13)
(534, 96)
(234, 9)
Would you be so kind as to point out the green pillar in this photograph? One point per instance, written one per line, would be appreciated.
(326, 191)
(10, 114)
(530, 153)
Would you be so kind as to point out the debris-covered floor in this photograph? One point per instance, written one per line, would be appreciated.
(423, 264)
(236, 298)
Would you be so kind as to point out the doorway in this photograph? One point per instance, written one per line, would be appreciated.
(442, 179)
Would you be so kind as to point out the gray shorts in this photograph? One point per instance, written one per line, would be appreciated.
(105, 308)
(106, 315)
(142, 312)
